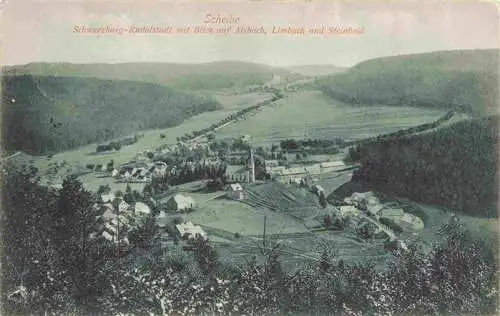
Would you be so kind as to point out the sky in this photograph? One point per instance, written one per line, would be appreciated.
(44, 30)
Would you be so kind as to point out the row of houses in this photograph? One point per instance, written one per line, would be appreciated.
(284, 174)
(118, 217)
(140, 172)
(370, 204)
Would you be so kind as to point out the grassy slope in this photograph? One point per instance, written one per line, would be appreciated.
(465, 79)
(207, 76)
(56, 113)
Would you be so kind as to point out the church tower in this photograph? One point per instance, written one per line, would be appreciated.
(251, 167)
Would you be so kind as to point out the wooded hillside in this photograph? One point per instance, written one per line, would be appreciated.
(44, 114)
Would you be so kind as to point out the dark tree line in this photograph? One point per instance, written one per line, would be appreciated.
(47, 246)
(455, 166)
(295, 144)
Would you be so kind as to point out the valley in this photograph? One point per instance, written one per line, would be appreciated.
(298, 166)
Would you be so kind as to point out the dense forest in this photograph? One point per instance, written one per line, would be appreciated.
(455, 166)
(50, 266)
(45, 114)
(453, 80)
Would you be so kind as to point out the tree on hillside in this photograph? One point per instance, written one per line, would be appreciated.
(110, 165)
(129, 196)
(74, 223)
(144, 234)
(205, 255)
(322, 199)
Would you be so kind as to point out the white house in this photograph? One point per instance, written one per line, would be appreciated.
(180, 203)
(236, 192)
(190, 231)
(115, 173)
(107, 198)
(332, 164)
(141, 208)
(347, 210)
(245, 138)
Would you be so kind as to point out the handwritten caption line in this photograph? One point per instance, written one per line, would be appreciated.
(222, 30)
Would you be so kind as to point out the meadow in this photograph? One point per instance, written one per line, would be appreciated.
(310, 114)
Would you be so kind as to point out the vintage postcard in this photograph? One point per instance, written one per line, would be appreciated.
(249, 157)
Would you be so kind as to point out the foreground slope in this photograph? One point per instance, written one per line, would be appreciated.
(43, 114)
(465, 80)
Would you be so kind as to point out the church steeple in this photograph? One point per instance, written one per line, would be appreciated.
(251, 167)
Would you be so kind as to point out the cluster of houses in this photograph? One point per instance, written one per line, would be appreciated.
(139, 172)
(118, 217)
(295, 174)
(368, 203)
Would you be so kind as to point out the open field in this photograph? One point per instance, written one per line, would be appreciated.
(151, 140)
(236, 217)
(310, 114)
(91, 182)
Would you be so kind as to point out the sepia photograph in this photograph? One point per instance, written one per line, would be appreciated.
(249, 158)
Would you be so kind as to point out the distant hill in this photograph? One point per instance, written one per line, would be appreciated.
(455, 166)
(316, 70)
(206, 76)
(463, 79)
(45, 114)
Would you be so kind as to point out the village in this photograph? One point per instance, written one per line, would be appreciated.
(182, 182)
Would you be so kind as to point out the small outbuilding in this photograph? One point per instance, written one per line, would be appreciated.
(236, 192)
(190, 231)
(141, 208)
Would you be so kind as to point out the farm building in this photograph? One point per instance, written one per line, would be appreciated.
(317, 189)
(374, 208)
(162, 219)
(236, 192)
(364, 197)
(180, 203)
(347, 210)
(391, 212)
(115, 173)
(332, 164)
(190, 231)
(141, 208)
(408, 221)
(107, 198)
(245, 138)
